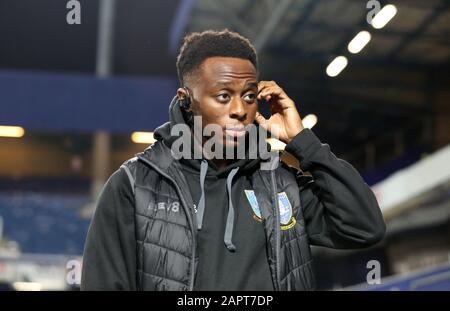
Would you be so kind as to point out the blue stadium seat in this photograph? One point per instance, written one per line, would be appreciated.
(45, 223)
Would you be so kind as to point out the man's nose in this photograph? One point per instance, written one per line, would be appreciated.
(237, 109)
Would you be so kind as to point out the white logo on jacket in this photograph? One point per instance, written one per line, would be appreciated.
(169, 207)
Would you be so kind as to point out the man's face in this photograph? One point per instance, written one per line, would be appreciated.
(225, 94)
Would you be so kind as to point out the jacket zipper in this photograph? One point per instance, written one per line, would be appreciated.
(188, 213)
(277, 229)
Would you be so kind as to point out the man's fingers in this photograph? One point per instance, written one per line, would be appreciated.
(265, 84)
(266, 97)
(261, 120)
(270, 91)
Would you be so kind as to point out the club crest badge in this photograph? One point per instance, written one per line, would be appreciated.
(251, 197)
(287, 219)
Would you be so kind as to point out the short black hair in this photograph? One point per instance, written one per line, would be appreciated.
(198, 46)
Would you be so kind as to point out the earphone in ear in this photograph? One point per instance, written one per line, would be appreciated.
(185, 102)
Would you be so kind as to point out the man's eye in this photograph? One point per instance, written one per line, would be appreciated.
(223, 97)
(250, 97)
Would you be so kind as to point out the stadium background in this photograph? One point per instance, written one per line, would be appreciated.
(73, 96)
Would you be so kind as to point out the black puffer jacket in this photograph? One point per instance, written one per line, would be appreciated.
(133, 245)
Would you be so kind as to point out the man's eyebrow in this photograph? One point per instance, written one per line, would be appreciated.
(228, 83)
(221, 83)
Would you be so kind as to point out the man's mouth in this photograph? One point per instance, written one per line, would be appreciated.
(235, 131)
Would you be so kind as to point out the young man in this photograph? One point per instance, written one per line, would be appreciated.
(165, 222)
